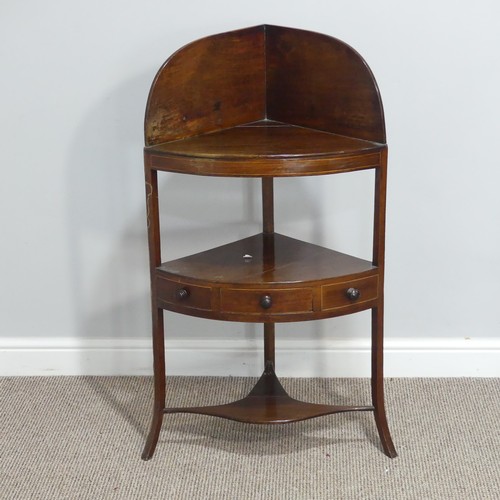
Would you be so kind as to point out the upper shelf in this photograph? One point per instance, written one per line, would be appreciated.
(265, 148)
(265, 139)
(264, 101)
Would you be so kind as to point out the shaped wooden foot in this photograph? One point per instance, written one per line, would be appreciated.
(377, 382)
(154, 433)
(384, 434)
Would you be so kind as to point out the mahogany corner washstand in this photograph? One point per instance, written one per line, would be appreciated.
(266, 102)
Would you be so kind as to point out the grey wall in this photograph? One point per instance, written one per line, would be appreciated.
(75, 77)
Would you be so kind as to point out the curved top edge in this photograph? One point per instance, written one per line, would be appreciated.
(286, 74)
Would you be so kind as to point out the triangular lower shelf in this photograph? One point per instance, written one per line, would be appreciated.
(267, 259)
(268, 403)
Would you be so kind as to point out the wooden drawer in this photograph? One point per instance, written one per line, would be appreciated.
(351, 292)
(184, 294)
(262, 301)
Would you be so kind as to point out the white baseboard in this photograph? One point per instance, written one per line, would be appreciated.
(423, 357)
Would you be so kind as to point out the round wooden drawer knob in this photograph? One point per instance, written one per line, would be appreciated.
(266, 301)
(353, 293)
(181, 294)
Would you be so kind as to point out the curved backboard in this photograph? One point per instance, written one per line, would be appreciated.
(284, 74)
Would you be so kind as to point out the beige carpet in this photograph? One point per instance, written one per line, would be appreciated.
(81, 438)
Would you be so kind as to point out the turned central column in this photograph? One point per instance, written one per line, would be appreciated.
(268, 230)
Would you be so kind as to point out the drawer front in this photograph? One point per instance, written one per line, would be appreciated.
(184, 294)
(258, 301)
(348, 293)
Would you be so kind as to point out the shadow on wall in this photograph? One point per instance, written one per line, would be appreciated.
(107, 230)
(106, 241)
